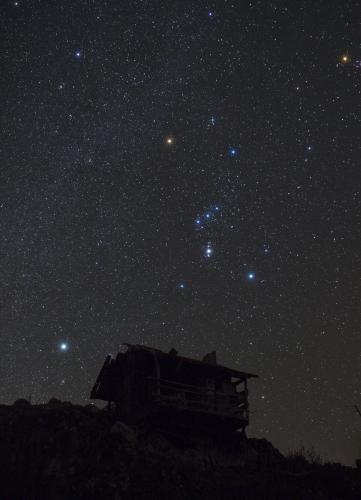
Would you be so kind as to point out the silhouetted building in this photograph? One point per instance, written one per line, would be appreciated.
(145, 384)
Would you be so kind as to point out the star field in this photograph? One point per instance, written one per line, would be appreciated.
(185, 174)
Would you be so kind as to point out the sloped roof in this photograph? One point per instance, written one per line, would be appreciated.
(196, 362)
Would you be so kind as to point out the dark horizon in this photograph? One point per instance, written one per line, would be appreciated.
(186, 174)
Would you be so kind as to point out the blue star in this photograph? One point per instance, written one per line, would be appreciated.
(210, 13)
(64, 346)
(78, 54)
(182, 286)
(233, 152)
(208, 215)
(251, 276)
(198, 222)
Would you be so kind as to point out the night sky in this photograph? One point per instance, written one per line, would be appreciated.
(185, 174)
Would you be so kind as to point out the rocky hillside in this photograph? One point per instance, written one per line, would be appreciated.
(61, 451)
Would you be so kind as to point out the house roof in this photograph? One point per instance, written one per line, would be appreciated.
(195, 362)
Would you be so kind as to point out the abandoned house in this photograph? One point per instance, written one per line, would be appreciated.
(145, 384)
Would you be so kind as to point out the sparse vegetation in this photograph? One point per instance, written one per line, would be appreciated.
(310, 455)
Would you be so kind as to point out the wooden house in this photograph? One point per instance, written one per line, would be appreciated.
(147, 384)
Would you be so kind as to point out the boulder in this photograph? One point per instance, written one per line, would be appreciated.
(124, 430)
(22, 403)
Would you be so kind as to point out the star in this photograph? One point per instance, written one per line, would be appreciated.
(78, 54)
(233, 152)
(212, 121)
(250, 276)
(181, 286)
(210, 13)
(64, 346)
(169, 141)
(345, 58)
(208, 251)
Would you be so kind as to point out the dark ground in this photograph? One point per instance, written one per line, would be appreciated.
(61, 451)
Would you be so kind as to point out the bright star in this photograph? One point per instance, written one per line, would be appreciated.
(233, 152)
(251, 276)
(182, 286)
(210, 13)
(64, 346)
(169, 140)
(77, 53)
(345, 58)
(198, 222)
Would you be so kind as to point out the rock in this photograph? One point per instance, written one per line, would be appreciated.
(22, 403)
(92, 408)
(266, 453)
(120, 428)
